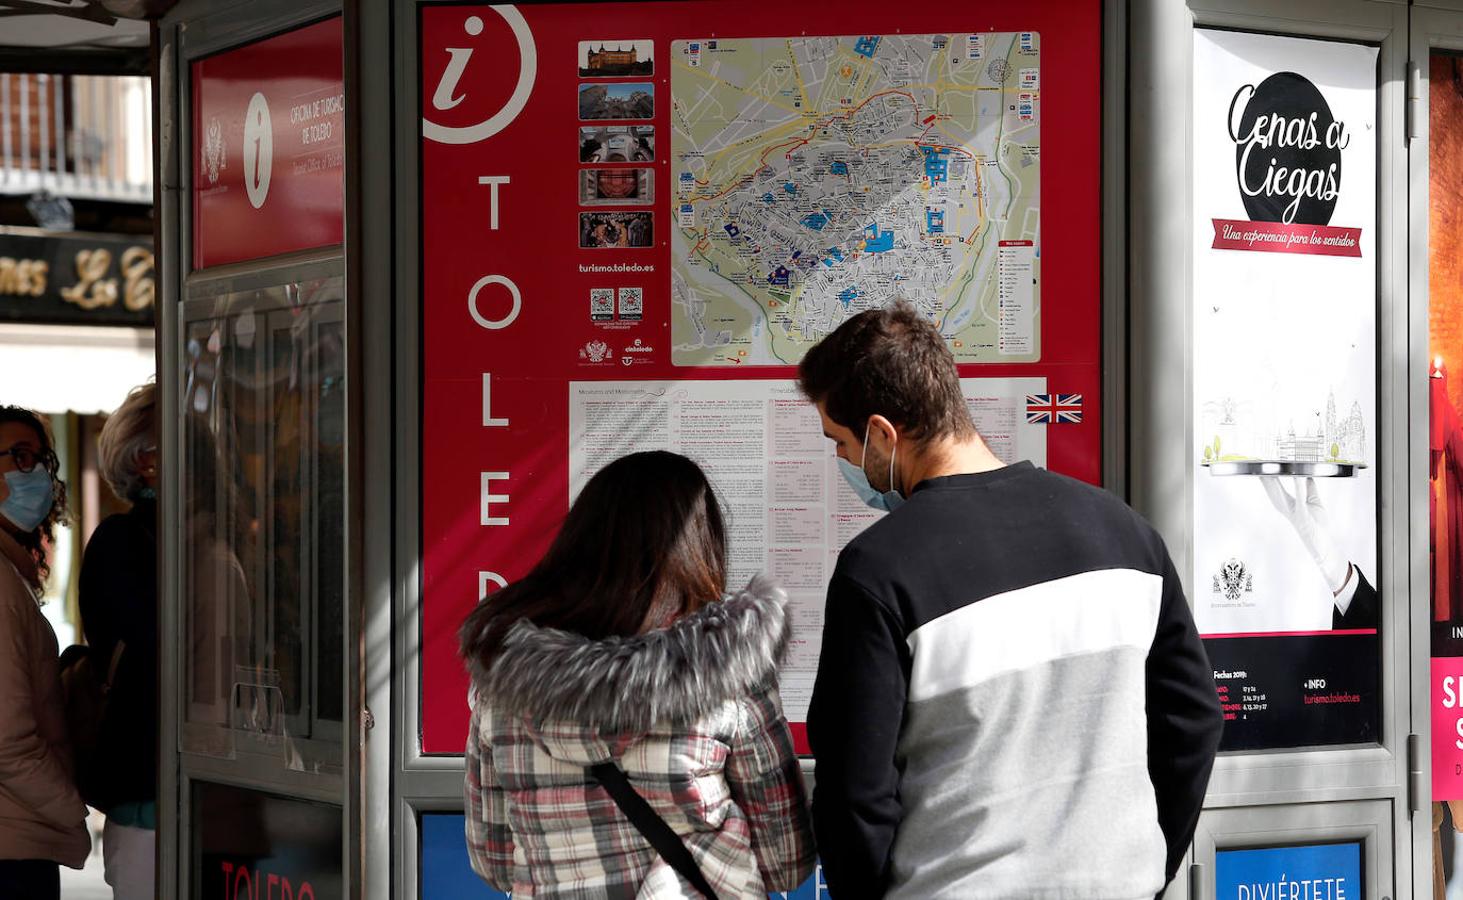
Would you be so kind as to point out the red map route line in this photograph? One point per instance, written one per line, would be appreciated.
(792, 145)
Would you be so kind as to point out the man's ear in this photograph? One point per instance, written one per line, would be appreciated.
(885, 428)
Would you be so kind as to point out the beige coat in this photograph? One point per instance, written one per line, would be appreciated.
(41, 813)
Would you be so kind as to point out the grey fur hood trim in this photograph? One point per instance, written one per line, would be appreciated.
(672, 675)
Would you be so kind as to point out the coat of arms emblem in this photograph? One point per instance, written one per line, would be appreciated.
(1233, 580)
(595, 351)
(213, 150)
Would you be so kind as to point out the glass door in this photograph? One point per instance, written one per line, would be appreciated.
(1435, 114)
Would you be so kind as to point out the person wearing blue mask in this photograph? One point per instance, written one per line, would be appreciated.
(42, 818)
(1012, 699)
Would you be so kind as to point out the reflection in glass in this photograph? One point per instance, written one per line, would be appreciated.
(264, 503)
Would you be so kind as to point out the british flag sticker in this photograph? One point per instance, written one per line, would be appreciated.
(1053, 409)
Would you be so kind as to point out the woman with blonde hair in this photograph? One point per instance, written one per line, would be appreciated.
(119, 600)
(42, 818)
(627, 739)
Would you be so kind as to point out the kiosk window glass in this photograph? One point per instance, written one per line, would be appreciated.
(263, 519)
(251, 844)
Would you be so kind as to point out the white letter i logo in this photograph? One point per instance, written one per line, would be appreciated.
(443, 98)
(450, 92)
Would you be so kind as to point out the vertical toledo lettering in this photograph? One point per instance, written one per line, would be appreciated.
(513, 295)
(485, 578)
(489, 420)
(493, 181)
(450, 92)
(490, 498)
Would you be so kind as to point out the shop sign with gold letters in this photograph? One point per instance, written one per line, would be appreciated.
(94, 279)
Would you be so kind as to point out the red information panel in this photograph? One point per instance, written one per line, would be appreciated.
(637, 217)
(269, 147)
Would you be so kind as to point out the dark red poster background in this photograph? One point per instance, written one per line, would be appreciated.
(301, 203)
(532, 359)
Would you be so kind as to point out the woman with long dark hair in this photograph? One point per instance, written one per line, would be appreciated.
(42, 818)
(619, 653)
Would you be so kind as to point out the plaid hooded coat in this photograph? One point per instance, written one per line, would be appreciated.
(691, 714)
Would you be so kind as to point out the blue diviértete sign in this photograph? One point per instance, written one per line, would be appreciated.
(1315, 872)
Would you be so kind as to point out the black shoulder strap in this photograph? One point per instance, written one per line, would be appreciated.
(653, 827)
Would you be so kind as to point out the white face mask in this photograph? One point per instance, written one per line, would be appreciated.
(858, 479)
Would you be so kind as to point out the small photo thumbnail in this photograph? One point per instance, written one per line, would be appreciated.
(617, 143)
(615, 230)
(616, 59)
(617, 100)
(616, 187)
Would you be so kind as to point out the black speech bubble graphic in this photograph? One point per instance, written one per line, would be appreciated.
(1283, 104)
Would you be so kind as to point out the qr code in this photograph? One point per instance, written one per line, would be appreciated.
(632, 303)
(601, 304)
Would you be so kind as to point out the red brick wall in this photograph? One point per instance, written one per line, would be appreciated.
(28, 156)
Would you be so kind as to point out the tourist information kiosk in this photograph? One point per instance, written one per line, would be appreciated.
(431, 265)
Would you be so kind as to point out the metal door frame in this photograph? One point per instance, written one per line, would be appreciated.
(1363, 821)
(1435, 25)
(421, 782)
(191, 30)
(1270, 787)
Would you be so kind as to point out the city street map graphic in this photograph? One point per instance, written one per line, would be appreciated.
(816, 177)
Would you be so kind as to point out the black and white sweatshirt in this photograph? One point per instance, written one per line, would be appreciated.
(1012, 699)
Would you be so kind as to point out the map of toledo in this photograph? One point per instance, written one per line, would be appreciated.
(820, 176)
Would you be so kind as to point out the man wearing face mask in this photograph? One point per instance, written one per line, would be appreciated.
(1012, 699)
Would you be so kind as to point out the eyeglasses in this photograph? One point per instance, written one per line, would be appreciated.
(26, 458)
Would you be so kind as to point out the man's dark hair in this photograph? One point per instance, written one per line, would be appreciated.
(891, 362)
